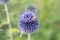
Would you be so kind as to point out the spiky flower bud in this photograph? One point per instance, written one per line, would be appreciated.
(28, 21)
(4, 1)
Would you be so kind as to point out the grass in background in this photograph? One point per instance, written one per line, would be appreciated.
(49, 16)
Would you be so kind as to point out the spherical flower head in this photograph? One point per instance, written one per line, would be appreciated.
(4, 1)
(28, 21)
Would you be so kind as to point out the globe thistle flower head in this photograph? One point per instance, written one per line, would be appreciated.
(28, 21)
(4, 1)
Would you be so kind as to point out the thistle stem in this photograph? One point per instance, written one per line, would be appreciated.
(6, 9)
(28, 36)
(21, 34)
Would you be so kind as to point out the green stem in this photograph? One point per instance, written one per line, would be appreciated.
(28, 36)
(6, 9)
(21, 34)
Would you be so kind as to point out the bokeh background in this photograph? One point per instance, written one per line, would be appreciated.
(49, 17)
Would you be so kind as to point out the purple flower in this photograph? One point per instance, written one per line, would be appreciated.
(28, 21)
(4, 1)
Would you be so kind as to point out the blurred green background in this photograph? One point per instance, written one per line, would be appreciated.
(49, 17)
